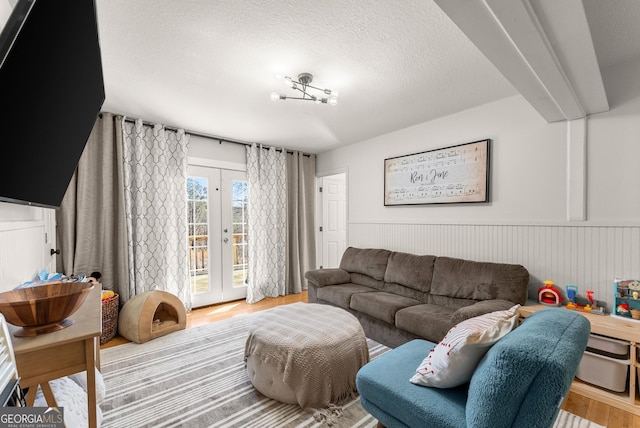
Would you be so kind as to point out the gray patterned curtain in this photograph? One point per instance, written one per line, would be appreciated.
(155, 176)
(267, 210)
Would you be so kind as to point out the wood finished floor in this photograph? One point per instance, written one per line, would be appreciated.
(577, 404)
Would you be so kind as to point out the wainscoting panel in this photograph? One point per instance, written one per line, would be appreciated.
(22, 253)
(590, 257)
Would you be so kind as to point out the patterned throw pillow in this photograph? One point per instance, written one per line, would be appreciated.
(452, 362)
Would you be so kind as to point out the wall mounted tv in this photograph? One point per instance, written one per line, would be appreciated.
(51, 90)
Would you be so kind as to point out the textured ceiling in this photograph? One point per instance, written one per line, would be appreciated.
(208, 66)
(615, 29)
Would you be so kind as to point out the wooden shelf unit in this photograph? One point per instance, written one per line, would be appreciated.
(616, 328)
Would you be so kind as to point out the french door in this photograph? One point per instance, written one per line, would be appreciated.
(217, 240)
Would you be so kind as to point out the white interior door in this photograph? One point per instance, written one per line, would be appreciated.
(334, 219)
(217, 251)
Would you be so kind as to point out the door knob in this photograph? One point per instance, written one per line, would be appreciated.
(225, 240)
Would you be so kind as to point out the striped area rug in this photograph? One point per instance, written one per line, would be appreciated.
(196, 378)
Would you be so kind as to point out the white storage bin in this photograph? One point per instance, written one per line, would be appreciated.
(603, 371)
(607, 346)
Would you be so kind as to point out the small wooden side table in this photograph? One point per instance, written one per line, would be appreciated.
(74, 349)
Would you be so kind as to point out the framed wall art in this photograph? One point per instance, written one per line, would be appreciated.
(449, 175)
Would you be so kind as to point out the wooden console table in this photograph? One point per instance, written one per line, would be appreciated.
(74, 349)
(617, 328)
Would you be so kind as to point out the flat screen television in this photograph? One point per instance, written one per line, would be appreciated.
(51, 91)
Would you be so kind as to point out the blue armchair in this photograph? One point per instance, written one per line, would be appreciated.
(520, 382)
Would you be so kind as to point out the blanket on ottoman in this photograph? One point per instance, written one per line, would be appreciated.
(307, 354)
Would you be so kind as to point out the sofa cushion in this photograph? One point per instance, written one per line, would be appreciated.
(381, 305)
(370, 262)
(367, 281)
(453, 361)
(480, 308)
(450, 302)
(340, 295)
(386, 392)
(410, 271)
(466, 279)
(429, 321)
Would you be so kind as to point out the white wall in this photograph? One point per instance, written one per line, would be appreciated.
(614, 150)
(27, 234)
(207, 148)
(525, 222)
(527, 165)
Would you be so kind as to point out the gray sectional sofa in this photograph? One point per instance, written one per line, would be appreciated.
(400, 296)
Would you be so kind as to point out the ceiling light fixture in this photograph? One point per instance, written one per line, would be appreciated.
(325, 96)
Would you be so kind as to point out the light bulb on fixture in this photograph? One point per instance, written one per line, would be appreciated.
(289, 82)
(303, 85)
(276, 96)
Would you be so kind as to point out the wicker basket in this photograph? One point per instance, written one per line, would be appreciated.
(109, 318)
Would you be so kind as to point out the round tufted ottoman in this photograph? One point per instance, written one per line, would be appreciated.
(307, 354)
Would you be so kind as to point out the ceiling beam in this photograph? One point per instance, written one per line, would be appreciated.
(543, 47)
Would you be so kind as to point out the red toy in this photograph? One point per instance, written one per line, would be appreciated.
(549, 294)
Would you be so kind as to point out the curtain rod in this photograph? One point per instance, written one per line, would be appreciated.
(197, 134)
(211, 137)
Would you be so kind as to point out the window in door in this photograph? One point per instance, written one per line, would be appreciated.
(217, 234)
(197, 208)
(240, 229)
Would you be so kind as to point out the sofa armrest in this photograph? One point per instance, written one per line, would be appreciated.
(322, 277)
(480, 308)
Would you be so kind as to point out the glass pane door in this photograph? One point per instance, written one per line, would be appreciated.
(203, 196)
(217, 239)
(198, 209)
(235, 238)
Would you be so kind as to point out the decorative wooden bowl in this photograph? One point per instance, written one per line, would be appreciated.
(43, 308)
